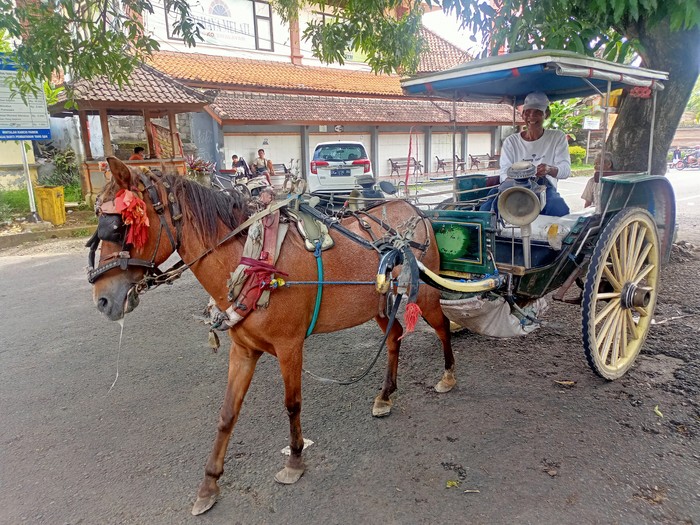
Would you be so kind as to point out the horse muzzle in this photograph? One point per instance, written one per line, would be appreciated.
(116, 306)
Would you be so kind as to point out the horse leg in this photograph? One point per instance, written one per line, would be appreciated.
(382, 403)
(290, 365)
(441, 324)
(241, 366)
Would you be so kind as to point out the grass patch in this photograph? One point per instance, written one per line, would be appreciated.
(73, 193)
(13, 203)
(17, 200)
(83, 232)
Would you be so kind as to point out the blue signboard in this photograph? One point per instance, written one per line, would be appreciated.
(20, 121)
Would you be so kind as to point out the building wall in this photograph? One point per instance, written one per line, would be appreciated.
(279, 147)
(230, 30)
(394, 145)
(479, 143)
(11, 167)
(442, 148)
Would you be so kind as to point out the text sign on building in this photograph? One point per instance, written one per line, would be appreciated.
(591, 123)
(20, 121)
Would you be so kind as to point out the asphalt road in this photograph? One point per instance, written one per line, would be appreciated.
(508, 445)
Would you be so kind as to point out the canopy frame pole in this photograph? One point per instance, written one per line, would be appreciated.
(651, 131)
(601, 166)
(454, 146)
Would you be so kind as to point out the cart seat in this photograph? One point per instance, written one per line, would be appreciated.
(547, 228)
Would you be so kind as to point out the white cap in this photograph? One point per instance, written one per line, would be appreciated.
(536, 100)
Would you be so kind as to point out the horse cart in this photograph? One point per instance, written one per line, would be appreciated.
(483, 269)
(612, 252)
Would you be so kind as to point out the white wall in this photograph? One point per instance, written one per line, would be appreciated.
(395, 145)
(479, 143)
(279, 148)
(442, 148)
(232, 35)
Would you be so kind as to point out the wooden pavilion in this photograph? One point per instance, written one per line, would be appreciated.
(149, 93)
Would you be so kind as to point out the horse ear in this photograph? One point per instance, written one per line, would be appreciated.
(120, 172)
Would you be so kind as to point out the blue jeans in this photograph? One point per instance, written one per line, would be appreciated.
(556, 206)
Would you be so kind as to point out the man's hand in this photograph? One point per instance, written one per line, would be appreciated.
(543, 170)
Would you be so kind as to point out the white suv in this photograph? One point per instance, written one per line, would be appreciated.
(336, 166)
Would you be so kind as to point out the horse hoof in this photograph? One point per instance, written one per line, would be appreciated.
(289, 475)
(447, 382)
(381, 408)
(203, 504)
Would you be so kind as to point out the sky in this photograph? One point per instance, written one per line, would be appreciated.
(447, 27)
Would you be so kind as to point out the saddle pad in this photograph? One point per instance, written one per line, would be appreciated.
(311, 229)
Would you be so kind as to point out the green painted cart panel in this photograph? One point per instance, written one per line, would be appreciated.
(465, 239)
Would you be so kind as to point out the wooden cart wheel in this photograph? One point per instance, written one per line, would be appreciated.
(620, 292)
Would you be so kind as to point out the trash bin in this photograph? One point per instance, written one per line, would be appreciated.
(51, 205)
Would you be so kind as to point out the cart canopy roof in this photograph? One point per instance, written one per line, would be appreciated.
(504, 78)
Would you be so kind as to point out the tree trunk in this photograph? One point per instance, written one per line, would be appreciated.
(679, 54)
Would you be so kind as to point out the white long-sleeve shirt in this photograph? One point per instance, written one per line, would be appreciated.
(551, 148)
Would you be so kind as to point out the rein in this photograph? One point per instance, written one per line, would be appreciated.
(176, 271)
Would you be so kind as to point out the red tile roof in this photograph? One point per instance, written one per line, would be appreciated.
(263, 75)
(146, 86)
(440, 54)
(198, 69)
(236, 106)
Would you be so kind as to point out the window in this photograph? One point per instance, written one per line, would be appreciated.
(263, 26)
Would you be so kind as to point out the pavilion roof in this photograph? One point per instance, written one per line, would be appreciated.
(148, 88)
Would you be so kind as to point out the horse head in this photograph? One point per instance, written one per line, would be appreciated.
(136, 233)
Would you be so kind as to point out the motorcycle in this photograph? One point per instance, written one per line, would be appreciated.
(239, 179)
(689, 161)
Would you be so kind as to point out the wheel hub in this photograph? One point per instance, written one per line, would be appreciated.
(634, 295)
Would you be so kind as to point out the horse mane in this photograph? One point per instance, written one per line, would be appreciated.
(205, 207)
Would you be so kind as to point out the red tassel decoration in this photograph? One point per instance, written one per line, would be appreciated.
(133, 211)
(410, 317)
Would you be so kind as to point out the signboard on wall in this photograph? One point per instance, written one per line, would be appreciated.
(591, 123)
(20, 121)
(230, 23)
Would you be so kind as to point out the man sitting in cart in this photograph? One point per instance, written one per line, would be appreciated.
(545, 148)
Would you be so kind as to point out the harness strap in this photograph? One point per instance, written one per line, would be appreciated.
(412, 244)
(332, 223)
(319, 288)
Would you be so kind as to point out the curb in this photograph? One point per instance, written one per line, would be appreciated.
(10, 241)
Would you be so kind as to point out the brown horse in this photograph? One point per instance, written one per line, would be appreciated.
(207, 217)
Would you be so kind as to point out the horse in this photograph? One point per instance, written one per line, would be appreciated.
(183, 216)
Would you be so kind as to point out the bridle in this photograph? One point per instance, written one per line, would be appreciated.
(111, 228)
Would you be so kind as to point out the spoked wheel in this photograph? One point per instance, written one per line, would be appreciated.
(243, 190)
(620, 292)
